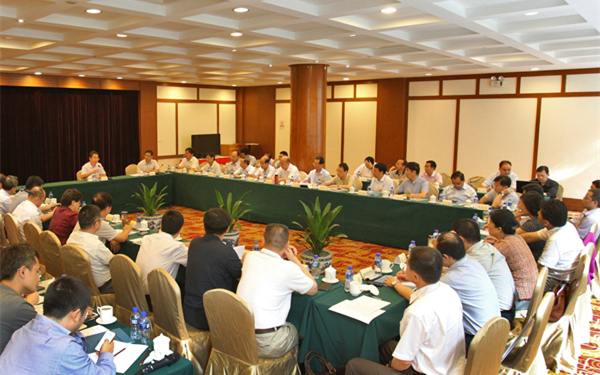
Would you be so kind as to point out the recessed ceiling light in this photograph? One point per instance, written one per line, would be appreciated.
(122, 35)
(535, 68)
(38, 73)
(346, 79)
(240, 10)
(234, 85)
(352, 35)
(119, 77)
(236, 33)
(82, 75)
(316, 61)
(21, 20)
(183, 81)
(388, 10)
(93, 11)
(532, 13)
(270, 65)
(279, 83)
(427, 74)
(233, 50)
(347, 66)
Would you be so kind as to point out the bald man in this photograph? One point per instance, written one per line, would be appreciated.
(29, 210)
(234, 164)
(287, 171)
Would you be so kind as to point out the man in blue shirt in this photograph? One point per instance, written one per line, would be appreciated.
(459, 192)
(50, 344)
(418, 186)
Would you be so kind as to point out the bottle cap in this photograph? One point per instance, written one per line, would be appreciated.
(412, 242)
(65, 275)
(378, 254)
(143, 314)
(350, 267)
(135, 309)
(316, 257)
(256, 242)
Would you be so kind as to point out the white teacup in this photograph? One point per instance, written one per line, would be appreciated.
(106, 313)
(386, 265)
(53, 200)
(351, 189)
(354, 288)
(385, 193)
(161, 346)
(144, 225)
(330, 274)
(468, 203)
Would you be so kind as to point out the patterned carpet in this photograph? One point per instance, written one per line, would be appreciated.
(360, 255)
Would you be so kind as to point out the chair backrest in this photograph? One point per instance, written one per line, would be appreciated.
(560, 192)
(79, 176)
(131, 169)
(231, 322)
(487, 347)
(223, 168)
(477, 181)
(303, 175)
(581, 276)
(76, 263)
(32, 234)
(538, 294)
(358, 185)
(3, 239)
(433, 190)
(51, 245)
(594, 229)
(203, 164)
(446, 180)
(168, 313)
(127, 283)
(12, 230)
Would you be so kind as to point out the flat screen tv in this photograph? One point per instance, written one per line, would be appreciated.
(205, 143)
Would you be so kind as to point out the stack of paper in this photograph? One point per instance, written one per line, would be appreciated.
(125, 355)
(364, 309)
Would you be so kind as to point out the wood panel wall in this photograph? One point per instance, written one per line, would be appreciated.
(392, 112)
(255, 118)
(148, 122)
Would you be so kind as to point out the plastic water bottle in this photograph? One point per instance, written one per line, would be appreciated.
(378, 264)
(188, 169)
(476, 218)
(510, 206)
(476, 201)
(134, 323)
(243, 176)
(314, 268)
(436, 234)
(50, 195)
(349, 278)
(392, 192)
(489, 214)
(471, 184)
(231, 175)
(318, 182)
(168, 168)
(255, 247)
(138, 222)
(83, 204)
(441, 199)
(358, 174)
(93, 176)
(411, 246)
(369, 192)
(145, 329)
(504, 206)
(292, 179)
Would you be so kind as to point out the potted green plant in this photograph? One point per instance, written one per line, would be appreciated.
(151, 202)
(235, 210)
(318, 232)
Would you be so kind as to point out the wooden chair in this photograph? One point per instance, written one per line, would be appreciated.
(358, 185)
(32, 234)
(79, 178)
(487, 348)
(560, 192)
(433, 190)
(3, 238)
(128, 287)
(446, 179)
(131, 169)
(477, 181)
(223, 169)
(303, 175)
(12, 230)
(202, 164)
(51, 248)
(186, 340)
(534, 303)
(231, 322)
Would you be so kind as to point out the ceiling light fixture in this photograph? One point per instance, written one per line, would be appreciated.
(352, 35)
(270, 65)
(535, 68)
(119, 77)
(279, 83)
(347, 66)
(532, 13)
(346, 79)
(183, 81)
(388, 10)
(233, 50)
(82, 75)
(93, 11)
(122, 35)
(21, 20)
(236, 33)
(234, 85)
(240, 10)
(316, 61)
(427, 74)
(38, 73)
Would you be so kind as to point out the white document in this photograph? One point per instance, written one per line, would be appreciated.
(363, 309)
(41, 300)
(137, 241)
(94, 330)
(125, 358)
(240, 251)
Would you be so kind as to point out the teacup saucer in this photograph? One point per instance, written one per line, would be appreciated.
(99, 321)
(390, 271)
(331, 282)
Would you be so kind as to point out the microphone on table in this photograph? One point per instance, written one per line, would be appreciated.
(167, 361)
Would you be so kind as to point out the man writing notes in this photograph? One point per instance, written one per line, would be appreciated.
(189, 161)
(319, 173)
(459, 192)
(245, 154)
(550, 187)
(504, 170)
(502, 193)
(234, 164)
(418, 187)
(212, 166)
(269, 277)
(342, 180)
(430, 174)
(93, 166)
(381, 181)
(265, 170)
(148, 164)
(245, 169)
(287, 171)
(365, 169)
(432, 341)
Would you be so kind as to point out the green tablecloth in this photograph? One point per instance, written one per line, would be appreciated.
(340, 338)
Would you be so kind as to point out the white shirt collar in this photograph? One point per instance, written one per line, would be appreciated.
(422, 291)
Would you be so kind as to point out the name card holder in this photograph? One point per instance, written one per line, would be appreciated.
(483, 207)
(296, 184)
(211, 174)
(104, 178)
(226, 176)
(152, 173)
(269, 182)
(447, 202)
(481, 190)
(399, 197)
(191, 172)
(250, 179)
(323, 187)
(362, 192)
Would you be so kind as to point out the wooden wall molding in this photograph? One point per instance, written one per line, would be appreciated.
(195, 101)
(148, 122)
(50, 81)
(537, 73)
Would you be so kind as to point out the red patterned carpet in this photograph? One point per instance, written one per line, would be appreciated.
(360, 255)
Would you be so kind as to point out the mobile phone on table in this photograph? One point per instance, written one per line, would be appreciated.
(324, 286)
(108, 335)
(380, 281)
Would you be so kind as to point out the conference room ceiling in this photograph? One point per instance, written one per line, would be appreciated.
(191, 41)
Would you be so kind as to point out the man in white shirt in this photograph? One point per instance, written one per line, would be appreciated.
(319, 173)
(86, 238)
(104, 202)
(381, 181)
(277, 162)
(245, 154)
(212, 166)
(148, 164)
(234, 164)
(28, 211)
(365, 169)
(93, 166)
(189, 161)
(265, 170)
(245, 169)
(504, 170)
(287, 171)
(343, 179)
(267, 283)
(430, 174)
(459, 192)
(32, 182)
(419, 188)
(9, 187)
(591, 214)
(501, 194)
(431, 333)
(162, 250)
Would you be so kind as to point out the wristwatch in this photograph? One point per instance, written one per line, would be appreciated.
(394, 283)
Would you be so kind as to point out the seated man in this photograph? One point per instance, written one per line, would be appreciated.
(245, 169)
(381, 181)
(342, 180)
(93, 167)
(268, 281)
(468, 278)
(65, 217)
(504, 170)
(534, 188)
(148, 164)
(277, 162)
(234, 164)
(459, 192)
(550, 186)
(162, 250)
(430, 174)
(492, 261)
(19, 266)
(212, 166)
(20, 197)
(418, 187)
(287, 171)
(28, 211)
(51, 344)
(189, 161)
(211, 265)
(502, 193)
(563, 245)
(104, 202)
(431, 333)
(397, 171)
(264, 170)
(590, 215)
(86, 238)
(595, 184)
(9, 187)
(245, 154)
(365, 169)
(319, 173)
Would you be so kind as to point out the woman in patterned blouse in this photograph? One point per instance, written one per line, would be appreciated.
(527, 212)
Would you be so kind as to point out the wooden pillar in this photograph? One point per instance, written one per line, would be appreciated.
(309, 101)
(148, 118)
